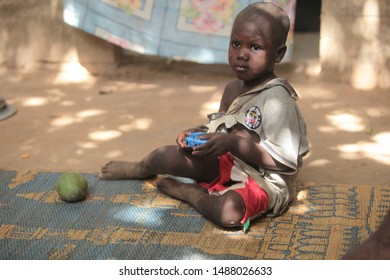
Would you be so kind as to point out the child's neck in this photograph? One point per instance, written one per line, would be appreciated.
(248, 85)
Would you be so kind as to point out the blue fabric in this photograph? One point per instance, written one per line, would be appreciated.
(192, 30)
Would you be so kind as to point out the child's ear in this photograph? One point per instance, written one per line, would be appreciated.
(280, 53)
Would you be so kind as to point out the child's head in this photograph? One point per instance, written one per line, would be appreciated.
(258, 40)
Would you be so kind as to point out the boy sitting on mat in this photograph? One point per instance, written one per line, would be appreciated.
(255, 143)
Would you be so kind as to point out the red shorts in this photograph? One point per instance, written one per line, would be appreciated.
(233, 178)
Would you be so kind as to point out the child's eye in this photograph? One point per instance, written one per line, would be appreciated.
(235, 44)
(256, 48)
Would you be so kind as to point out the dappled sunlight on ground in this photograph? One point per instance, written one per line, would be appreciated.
(377, 150)
(127, 215)
(86, 145)
(82, 124)
(68, 119)
(302, 205)
(35, 101)
(105, 135)
(71, 71)
(345, 121)
(137, 124)
(348, 133)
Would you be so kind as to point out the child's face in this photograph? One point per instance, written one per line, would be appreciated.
(252, 54)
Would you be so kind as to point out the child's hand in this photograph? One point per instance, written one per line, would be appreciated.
(180, 140)
(218, 144)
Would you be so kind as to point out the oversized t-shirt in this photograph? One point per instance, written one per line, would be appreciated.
(270, 110)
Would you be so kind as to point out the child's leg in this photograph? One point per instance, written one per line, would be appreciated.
(164, 160)
(226, 210)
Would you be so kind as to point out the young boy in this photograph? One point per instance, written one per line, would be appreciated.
(255, 143)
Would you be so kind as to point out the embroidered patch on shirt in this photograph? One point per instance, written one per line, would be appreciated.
(253, 117)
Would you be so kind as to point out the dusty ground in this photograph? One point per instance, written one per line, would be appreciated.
(69, 120)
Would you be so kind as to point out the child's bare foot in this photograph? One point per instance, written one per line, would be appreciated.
(122, 170)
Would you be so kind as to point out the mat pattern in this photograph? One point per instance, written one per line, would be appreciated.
(133, 220)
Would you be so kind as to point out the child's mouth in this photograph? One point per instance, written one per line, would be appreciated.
(241, 68)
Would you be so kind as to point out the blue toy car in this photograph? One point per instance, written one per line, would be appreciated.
(192, 140)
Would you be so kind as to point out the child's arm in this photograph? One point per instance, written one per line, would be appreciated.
(254, 154)
(239, 145)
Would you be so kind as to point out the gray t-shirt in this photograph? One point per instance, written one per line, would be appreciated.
(270, 110)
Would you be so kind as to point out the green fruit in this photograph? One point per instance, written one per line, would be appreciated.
(72, 187)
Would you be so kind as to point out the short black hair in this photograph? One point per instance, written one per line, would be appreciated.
(276, 16)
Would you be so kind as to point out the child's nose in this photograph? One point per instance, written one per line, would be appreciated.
(243, 54)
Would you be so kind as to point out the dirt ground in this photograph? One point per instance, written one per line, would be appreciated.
(71, 120)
